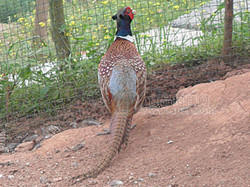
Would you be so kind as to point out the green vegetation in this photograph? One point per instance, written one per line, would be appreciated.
(25, 88)
(11, 10)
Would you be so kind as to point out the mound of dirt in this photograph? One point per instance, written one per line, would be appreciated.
(201, 140)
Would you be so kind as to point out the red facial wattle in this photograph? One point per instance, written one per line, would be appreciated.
(130, 13)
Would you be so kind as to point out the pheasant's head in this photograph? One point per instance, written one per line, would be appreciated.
(123, 18)
(124, 14)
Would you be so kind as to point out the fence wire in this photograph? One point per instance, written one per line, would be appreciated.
(35, 80)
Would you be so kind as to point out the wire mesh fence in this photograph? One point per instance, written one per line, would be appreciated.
(36, 78)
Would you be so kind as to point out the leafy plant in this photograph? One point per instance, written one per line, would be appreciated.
(11, 10)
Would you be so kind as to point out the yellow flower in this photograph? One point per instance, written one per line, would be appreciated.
(42, 24)
(176, 7)
(100, 26)
(107, 37)
(105, 2)
(202, 3)
(67, 34)
(97, 44)
(145, 35)
(20, 20)
(72, 23)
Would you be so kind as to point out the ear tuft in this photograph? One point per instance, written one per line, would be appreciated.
(114, 17)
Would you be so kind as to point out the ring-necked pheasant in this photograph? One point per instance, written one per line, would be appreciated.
(122, 79)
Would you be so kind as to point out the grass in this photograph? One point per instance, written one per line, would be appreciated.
(24, 90)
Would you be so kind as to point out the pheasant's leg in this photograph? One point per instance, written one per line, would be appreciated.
(106, 131)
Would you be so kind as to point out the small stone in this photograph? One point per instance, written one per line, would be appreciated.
(151, 174)
(8, 163)
(10, 176)
(27, 164)
(173, 185)
(116, 183)
(78, 147)
(1, 175)
(47, 136)
(170, 141)
(140, 179)
(52, 129)
(92, 182)
(74, 164)
(43, 180)
(57, 179)
(73, 124)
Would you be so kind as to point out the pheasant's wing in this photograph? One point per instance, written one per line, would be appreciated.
(140, 84)
(103, 80)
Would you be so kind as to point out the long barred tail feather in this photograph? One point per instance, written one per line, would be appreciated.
(119, 121)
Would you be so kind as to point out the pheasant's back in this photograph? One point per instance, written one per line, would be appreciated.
(121, 51)
(122, 68)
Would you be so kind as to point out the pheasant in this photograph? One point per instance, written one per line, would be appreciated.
(122, 80)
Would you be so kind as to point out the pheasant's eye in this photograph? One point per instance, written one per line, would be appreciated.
(128, 11)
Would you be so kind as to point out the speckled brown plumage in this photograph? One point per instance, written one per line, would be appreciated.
(122, 80)
(122, 52)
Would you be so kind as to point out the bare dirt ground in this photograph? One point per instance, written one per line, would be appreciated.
(201, 140)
